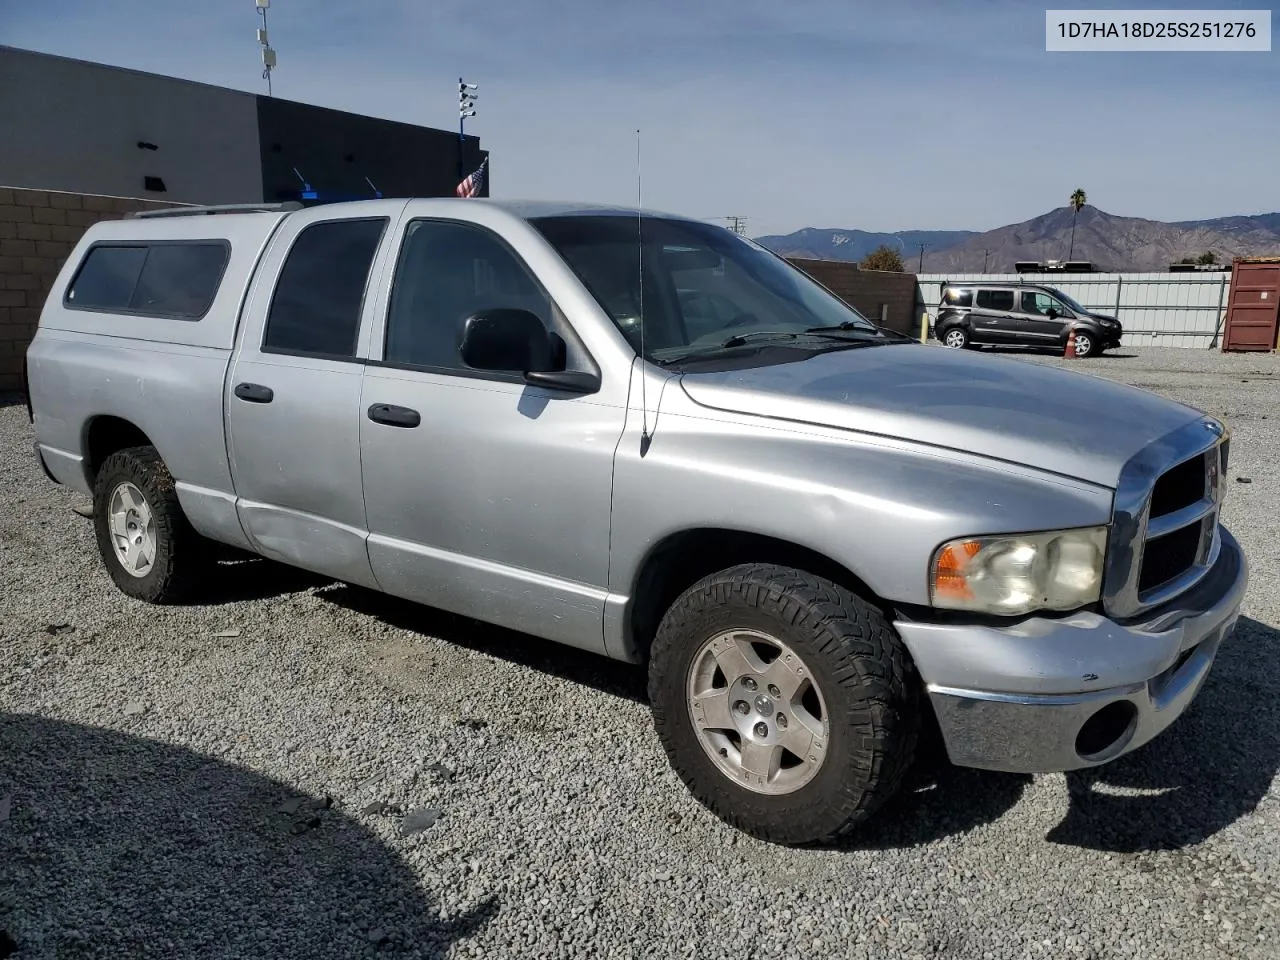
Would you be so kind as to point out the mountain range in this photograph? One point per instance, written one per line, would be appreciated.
(1108, 241)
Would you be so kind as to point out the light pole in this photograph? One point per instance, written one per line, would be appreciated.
(268, 55)
(466, 108)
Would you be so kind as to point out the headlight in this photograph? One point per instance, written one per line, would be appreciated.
(1018, 573)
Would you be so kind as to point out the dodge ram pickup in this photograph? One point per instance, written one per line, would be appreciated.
(645, 437)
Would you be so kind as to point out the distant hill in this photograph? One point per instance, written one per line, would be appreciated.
(817, 244)
(1110, 242)
(1268, 221)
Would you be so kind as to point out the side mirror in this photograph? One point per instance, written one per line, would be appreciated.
(514, 341)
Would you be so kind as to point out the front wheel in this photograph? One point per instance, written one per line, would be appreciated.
(149, 548)
(786, 704)
(1086, 345)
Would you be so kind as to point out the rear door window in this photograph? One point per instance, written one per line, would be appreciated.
(995, 299)
(174, 279)
(952, 297)
(316, 306)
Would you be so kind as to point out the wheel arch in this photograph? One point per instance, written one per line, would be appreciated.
(105, 434)
(681, 559)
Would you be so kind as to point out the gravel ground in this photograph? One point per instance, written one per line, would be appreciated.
(302, 769)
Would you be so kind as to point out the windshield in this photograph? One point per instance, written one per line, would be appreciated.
(705, 288)
(1067, 300)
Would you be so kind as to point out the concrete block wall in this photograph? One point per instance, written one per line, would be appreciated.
(869, 291)
(38, 228)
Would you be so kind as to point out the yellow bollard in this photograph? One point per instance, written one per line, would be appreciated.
(924, 327)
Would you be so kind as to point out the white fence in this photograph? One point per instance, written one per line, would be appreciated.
(1156, 309)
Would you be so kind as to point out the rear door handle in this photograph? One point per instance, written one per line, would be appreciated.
(254, 392)
(394, 416)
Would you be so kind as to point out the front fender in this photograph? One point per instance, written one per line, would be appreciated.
(878, 507)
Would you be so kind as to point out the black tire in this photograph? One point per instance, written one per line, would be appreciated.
(852, 654)
(180, 553)
(956, 333)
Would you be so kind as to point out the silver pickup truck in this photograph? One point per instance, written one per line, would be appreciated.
(643, 436)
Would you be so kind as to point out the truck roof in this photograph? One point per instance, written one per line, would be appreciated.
(533, 209)
(524, 209)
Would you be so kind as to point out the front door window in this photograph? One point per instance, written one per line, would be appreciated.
(1041, 303)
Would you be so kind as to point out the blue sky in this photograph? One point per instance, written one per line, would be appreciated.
(880, 116)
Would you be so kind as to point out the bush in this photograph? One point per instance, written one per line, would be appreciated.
(883, 257)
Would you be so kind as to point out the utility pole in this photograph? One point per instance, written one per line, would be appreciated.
(984, 260)
(736, 225)
(466, 108)
(268, 55)
(920, 269)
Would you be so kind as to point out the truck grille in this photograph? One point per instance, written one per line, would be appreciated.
(1165, 526)
(1166, 558)
(1180, 487)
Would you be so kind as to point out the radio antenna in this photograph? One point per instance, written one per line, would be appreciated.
(644, 406)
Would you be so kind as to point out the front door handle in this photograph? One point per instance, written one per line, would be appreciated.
(254, 392)
(394, 416)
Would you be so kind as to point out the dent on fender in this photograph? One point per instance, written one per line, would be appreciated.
(811, 488)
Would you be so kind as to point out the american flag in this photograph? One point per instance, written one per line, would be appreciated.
(471, 185)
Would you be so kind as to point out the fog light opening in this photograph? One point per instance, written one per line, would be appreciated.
(1107, 732)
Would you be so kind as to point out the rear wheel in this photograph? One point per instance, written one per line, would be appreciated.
(786, 704)
(148, 546)
(957, 338)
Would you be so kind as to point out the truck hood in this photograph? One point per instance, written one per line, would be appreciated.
(1013, 410)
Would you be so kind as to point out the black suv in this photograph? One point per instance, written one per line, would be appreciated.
(1020, 315)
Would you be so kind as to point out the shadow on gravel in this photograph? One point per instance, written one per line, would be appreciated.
(112, 845)
(1204, 773)
(937, 800)
(243, 577)
(578, 666)
(10, 399)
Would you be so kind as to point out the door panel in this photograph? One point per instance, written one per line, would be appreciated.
(293, 396)
(297, 464)
(496, 506)
(992, 316)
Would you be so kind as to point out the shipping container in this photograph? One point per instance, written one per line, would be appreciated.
(1253, 310)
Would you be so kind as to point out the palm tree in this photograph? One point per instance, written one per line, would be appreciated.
(1078, 200)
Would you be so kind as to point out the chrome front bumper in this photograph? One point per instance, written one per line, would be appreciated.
(1052, 695)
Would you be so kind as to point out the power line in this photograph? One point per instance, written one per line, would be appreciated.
(736, 224)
